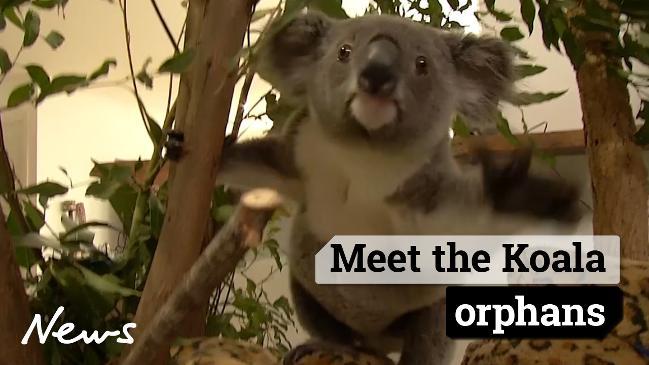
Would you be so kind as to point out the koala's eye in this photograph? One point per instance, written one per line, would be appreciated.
(344, 52)
(421, 65)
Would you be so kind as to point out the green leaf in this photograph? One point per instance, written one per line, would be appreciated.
(503, 127)
(273, 248)
(525, 98)
(178, 63)
(511, 34)
(143, 76)
(32, 28)
(38, 75)
(3, 22)
(105, 283)
(156, 214)
(54, 39)
(500, 15)
(67, 83)
(460, 128)
(10, 13)
(46, 4)
(155, 132)
(455, 3)
(528, 12)
(24, 256)
(103, 69)
(20, 95)
(5, 62)
(45, 191)
(523, 71)
(332, 8)
(35, 217)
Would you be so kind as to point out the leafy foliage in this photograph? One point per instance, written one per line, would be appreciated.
(100, 286)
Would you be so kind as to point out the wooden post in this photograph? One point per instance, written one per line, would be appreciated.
(618, 173)
(15, 316)
(217, 28)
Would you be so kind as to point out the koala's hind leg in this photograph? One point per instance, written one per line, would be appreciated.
(317, 321)
(424, 336)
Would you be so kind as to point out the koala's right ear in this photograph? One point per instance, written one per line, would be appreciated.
(288, 56)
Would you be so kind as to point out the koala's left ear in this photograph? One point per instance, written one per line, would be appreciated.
(485, 75)
(287, 57)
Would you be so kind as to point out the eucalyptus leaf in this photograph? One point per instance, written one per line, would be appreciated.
(460, 128)
(155, 132)
(38, 75)
(20, 95)
(84, 226)
(35, 217)
(528, 12)
(32, 28)
(500, 15)
(103, 69)
(5, 62)
(523, 71)
(511, 34)
(332, 8)
(54, 39)
(178, 62)
(503, 127)
(105, 283)
(46, 4)
(525, 98)
(61, 83)
(10, 13)
(48, 188)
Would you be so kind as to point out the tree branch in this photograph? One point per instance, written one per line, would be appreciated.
(242, 231)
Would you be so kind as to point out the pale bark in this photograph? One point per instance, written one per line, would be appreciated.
(216, 28)
(618, 173)
(243, 231)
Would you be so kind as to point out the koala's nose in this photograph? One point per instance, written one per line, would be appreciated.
(379, 77)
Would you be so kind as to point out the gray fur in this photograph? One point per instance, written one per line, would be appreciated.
(398, 178)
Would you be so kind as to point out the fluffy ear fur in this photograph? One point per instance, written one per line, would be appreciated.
(288, 56)
(485, 75)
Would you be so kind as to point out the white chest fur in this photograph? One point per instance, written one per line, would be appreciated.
(346, 186)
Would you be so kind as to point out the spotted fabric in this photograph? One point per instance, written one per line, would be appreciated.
(628, 343)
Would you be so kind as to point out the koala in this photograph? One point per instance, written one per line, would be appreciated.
(371, 155)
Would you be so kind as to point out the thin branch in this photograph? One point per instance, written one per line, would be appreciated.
(127, 36)
(164, 25)
(13, 62)
(242, 231)
(171, 74)
(243, 97)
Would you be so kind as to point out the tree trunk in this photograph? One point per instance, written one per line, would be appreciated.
(203, 110)
(15, 316)
(618, 173)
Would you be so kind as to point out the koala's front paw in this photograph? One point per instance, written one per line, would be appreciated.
(511, 188)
